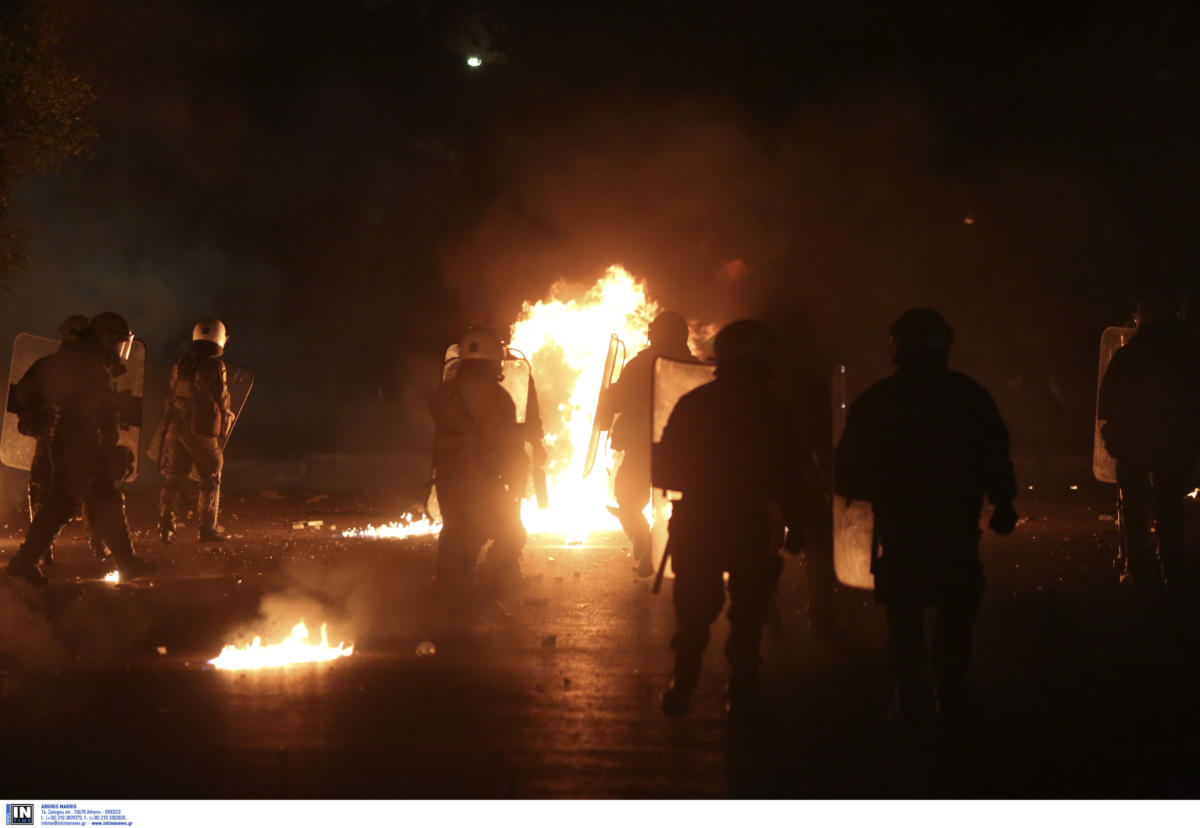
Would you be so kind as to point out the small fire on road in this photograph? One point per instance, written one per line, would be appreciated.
(295, 649)
(409, 526)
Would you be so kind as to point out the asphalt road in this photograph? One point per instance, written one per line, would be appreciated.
(1084, 690)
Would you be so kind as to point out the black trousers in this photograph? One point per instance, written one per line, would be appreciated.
(632, 489)
(475, 511)
(699, 596)
(80, 483)
(1166, 486)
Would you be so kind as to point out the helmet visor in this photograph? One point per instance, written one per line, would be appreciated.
(124, 347)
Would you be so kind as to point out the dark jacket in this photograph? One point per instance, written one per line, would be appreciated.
(924, 447)
(730, 448)
(74, 388)
(199, 391)
(629, 399)
(1150, 398)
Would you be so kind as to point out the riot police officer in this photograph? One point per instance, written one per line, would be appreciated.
(924, 447)
(1150, 402)
(199, 418)
(480, 469)
(730, 448)
(629, 401)
(88, 463)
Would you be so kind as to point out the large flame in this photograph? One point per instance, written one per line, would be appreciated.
(566, 340)
(294, 649)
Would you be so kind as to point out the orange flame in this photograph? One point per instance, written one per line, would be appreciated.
(294, 649)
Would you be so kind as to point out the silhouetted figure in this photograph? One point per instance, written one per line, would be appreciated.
(35, 417)
(480, 468)
(804, 383)
(629, 400)
(199, 418)
(88, 464)
(730, 449)
(924, 447)
(1150, 402)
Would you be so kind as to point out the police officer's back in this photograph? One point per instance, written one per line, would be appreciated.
(925, 447)
(730, 449)
(1150, 404)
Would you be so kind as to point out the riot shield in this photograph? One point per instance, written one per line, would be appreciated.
(239, 381)
(1104, 467)
(612, 366)
(671, 379)
(515, 372)
(854, 524)
(16, 450)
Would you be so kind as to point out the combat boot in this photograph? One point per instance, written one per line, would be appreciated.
(22, 568)
(744, 705)
(135, 567)
(213, 534)
(678, 697)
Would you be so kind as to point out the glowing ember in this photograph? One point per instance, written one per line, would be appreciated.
(409, 526)
(1194, 493)
(113, 577)
(294, 649)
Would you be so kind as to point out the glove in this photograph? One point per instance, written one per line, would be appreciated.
(794, 542)
(1004, 518)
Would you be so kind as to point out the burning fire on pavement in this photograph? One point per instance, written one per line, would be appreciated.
(295, 649)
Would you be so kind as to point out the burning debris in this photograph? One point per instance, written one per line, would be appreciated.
(294, 649)
(113, 577)
(409, 526)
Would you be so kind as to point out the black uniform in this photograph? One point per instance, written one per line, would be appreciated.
(730, 449)
(629, 400)
(924, 447)
(480, 468)
(87, 463)
(35, 418)
(199, 416)
(1150, 400)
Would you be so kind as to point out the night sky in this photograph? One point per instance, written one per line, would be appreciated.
(336, 183)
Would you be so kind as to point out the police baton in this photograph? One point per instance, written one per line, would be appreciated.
(662, 570)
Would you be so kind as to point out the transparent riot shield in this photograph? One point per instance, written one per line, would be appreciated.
(239, 381)
(612, 367)
(16, 449)
(671, 379)
(853, 524)
(515, 372)
(1104, 467)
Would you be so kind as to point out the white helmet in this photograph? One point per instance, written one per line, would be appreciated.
(210, 330)
(481, 343)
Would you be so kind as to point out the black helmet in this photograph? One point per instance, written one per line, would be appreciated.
(113, 332)
(72, 327)
(668, 330)
(746, 342)
(921, 329)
